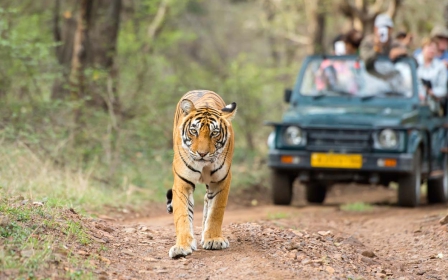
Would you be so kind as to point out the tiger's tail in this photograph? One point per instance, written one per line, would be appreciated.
(169, 198)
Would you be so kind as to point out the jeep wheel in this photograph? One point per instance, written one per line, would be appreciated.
(315, 192)
(281, 183)
(409, 185)
(438, 188)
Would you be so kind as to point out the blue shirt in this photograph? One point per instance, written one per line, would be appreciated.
(444, 55)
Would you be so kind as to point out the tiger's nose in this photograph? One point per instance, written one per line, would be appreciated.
(203, 154)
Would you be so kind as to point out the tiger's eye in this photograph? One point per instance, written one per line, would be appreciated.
(215, 133)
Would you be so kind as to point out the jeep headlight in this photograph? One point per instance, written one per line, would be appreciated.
(388, 139)
(271, 140)
(294, 136)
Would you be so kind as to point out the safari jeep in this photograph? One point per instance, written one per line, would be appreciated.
(347, 124)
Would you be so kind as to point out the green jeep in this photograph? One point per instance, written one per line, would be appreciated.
(347, 124)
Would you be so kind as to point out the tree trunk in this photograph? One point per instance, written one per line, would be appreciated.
(63, 33)
(363, 15)
(270, 12)
(79, 50)
(445, 15)
(316, 28)
(88, 43)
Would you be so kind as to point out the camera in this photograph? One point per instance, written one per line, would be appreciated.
(339, 48)
(384, 34)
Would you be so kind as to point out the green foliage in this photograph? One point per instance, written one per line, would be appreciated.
(357, 207)
(75, 230)
(75, 152)
(30, 235)
(120, 158)
(277, 215)
(25, 51)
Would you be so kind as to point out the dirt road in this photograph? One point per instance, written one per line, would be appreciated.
(297, 242)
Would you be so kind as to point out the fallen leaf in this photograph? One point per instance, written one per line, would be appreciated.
(444, 220)
(106, 260)
(369, 254)
(143, 228)
(329, 269)
(83, 253)
(104, 217)
(128, 252)
(129, 230)
(99, 240)
(106, 234)
(4, 221)
(324, 233)
(298, 233)
(27, 253)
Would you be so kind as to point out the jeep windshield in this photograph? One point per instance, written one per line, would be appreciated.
(347, 76)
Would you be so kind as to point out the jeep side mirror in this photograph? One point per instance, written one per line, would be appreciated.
(288, 93)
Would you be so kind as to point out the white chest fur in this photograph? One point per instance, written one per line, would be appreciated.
(208, 172)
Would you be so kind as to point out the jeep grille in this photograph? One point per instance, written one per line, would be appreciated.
(339, 140)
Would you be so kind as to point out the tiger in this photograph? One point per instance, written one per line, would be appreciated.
(203, 144)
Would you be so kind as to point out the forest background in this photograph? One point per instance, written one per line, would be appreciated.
(88, 88)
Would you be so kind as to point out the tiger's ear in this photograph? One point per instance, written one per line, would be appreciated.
(229, 111)
(187, 106)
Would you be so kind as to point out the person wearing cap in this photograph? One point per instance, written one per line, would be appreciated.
(440, 34)
(381, 42)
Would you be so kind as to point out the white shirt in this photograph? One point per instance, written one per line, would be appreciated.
(436, 73)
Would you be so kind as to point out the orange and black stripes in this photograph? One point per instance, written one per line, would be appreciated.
(203, 143)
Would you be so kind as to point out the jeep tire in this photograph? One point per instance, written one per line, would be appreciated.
(315, 192)
(409, 185)
(438, 187)
(281, 182)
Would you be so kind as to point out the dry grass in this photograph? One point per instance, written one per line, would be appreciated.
(23, 173)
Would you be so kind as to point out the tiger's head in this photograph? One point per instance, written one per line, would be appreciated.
(205, 132)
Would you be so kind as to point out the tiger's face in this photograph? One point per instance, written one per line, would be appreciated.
(205, 131)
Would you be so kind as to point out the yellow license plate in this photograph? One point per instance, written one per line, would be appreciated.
(336, 160)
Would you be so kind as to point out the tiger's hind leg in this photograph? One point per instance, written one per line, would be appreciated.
(182, 204)
(215, 202)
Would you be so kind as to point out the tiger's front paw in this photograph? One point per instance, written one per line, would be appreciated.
(217, 243)
(182, 251)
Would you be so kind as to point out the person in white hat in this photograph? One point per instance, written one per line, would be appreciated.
(381, 42)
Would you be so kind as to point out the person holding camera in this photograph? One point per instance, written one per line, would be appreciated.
(381, 42)
(431, 72)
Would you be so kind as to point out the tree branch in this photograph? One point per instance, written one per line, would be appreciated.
(296, 38)
(393, 7)
(56, 28)
(158, 20)
(350, 10)
(376, 8)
